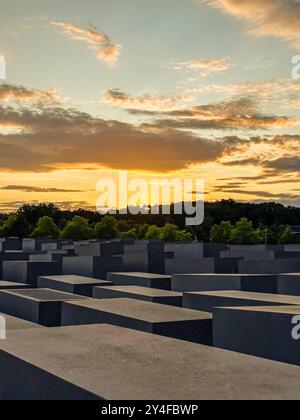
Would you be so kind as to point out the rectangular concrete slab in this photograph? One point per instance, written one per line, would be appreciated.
(42, 306)
(289, 284)
(140, 315)
(207, 301)
(72, 284)
(165, 297)
(112, 363)
(95, 267)
(261, 283)
(28, 271)
(259, 331)
(4, 285)
(13, 325)
(283, 265)
(156, 281)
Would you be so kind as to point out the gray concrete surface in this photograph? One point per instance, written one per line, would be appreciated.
(207, 301)
(143, 316)
(28, 271)
(4, 285)
(114, 363)
(95, 267)
(156, 281)
(41, 306)
(148, 294)
(289, 284)
(209, 282)
(259, 331)
(72, 284)
(284, 265)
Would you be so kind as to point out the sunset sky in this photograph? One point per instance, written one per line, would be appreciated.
(171, 88)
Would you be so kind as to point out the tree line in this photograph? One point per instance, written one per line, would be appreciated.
(226, 221)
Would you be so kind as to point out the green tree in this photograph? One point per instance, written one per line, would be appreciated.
(154, 232)
(123, 226)
(132, 233)
(78, 229)
(168, 233)
(221, 234)
(107, 228)
(287, 236)
(46, 228)
(245, 234)
(15, 226)
(142, 230)
(184, 236)
(7, 226)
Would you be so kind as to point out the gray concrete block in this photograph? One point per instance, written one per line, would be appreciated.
(292, 248)
(50, 256)
(289, 284)
(143, 316)
(114, 363)
(55, 246)
(104, 249)
(284, 265)
(188, 250)
(15, 325)
(148, 294)
(258, 331)
(261, 283)
(213, 250)
(145, 256)
(95, 267)
(28, 271)
(30, 244)
(249, 254)
(4, 285)
(71, 284)
(12, 256)
(41, 306)
(207, 301)
(201, 265)
(10, 244)
(155, 281)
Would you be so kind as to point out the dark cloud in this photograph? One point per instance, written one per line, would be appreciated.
(285, 163)
(30, 189)
(259, 194)
(238, 113)
(50, 138)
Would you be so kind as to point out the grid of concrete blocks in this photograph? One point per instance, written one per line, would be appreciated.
(130, 320)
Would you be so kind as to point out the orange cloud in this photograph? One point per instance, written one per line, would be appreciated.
(152, 102)
(206, 67)
(20, 94)
(273, 18)
(104, 48)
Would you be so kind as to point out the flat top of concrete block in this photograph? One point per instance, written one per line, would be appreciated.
(13, 323)
(223, 275)
(142, 275)
(285, 299)
(289, 310)
(143, 291)
(10, 285)
(43, 295)
(142, 310)
(140, 366)
(72, 279)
